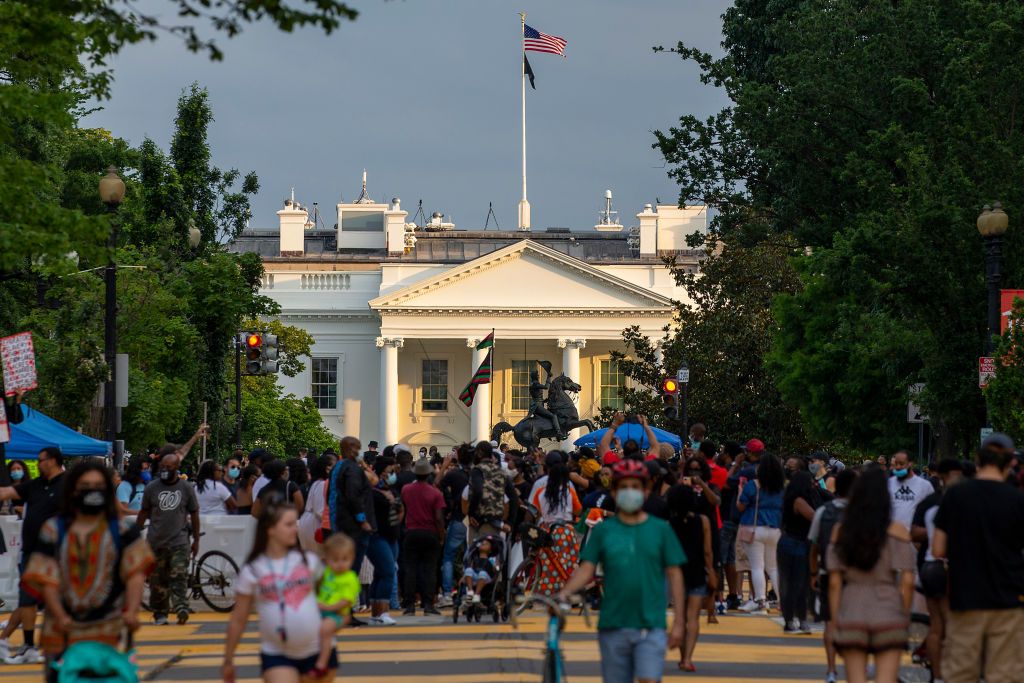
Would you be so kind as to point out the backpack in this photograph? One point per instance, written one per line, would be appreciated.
(487, 489)
(831, 514)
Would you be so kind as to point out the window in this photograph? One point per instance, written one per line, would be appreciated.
(362, 221)
(612, 384)
(521, 383)
(325, 383)
(435, 385)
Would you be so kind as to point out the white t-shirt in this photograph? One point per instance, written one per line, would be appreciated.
(289, 582)
(905, 496)
(563, 512)
(261, 481)
(211, 498)
(312, 516)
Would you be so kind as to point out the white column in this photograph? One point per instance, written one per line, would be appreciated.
(389, 388)
(571, 368)
(480, 411)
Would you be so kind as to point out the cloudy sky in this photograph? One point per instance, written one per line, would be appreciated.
(424, 94)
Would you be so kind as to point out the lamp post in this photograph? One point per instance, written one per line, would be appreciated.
(992, 224)
(111, 193)
(683, 375)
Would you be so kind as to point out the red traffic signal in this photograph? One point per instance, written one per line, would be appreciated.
(669, 385)
(253, 340)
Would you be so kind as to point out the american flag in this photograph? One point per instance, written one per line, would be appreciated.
(541, 42)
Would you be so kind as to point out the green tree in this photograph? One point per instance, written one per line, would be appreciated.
(872, 132)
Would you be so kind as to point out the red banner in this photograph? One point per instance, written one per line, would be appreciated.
(1006, 306)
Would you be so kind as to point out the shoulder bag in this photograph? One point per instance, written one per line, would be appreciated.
(746, 531)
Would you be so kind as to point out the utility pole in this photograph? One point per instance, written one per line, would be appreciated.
(238, 391)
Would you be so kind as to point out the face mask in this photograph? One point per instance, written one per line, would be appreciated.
(168, 476)
(17, 475)
(815, 468)
(694, 444)
(629, 500)
(901, 474)
(392, 479)
(606, 481)
(233, 472)
(146, 476)
(90, 502)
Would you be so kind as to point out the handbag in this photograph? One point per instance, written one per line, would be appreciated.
(746, 532)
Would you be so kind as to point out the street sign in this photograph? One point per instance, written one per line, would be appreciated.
(985, 433)
(986, 370)
(914, 414)
(683, 375)
(1006, 297)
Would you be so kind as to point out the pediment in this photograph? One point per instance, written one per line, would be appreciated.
(525, 276)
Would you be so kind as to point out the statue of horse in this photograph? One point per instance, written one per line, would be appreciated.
(530, 430)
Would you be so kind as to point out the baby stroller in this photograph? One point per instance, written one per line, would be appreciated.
(97, 663)
(491, 597)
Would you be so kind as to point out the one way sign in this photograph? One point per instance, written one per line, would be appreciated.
(914, 413)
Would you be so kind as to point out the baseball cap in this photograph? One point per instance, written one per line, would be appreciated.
(998, 440)
(611, 457)
(755, 446)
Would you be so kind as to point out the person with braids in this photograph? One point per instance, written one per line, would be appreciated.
(871, 567)
(557, 503)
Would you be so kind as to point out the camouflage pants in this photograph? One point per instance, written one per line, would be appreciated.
(169, 580)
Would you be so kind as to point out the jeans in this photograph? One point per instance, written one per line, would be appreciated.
(794, 577)
(761, 554)
(419, 556)
(455, 539)
(631, 653)
(378, 550)
(395, 604)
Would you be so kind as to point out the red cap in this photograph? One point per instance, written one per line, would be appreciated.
(610, 458)
(755, 446)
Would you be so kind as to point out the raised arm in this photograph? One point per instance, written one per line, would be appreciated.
(617, 419)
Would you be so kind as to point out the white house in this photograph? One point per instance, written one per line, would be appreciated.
(396, 310)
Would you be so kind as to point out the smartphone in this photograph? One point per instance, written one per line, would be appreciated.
(687, 481)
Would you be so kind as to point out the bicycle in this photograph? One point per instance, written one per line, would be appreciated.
(554, 663)
(211, 578)
(920, 668)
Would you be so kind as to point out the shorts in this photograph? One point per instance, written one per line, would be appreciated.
(481, 575)
(25, 599)
(631, 653)
(339, 619)
(727, 539)
(871, 639)
(716, 546)
(303, 666)
(697, 591)
(933, 579)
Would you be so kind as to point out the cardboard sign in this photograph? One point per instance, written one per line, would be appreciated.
(986, 370)
(19, 360)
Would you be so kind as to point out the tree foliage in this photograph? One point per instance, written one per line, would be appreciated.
(871, 132)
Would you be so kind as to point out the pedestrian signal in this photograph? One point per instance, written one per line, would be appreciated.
(670, 397)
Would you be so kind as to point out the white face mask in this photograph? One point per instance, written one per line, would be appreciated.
(629, 500)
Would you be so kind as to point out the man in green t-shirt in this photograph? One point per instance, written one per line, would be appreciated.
(638, 553)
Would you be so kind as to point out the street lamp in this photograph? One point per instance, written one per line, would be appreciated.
(111, 193)
(992, 224)
(194, 234)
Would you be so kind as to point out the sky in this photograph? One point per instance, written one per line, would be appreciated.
(425, 95)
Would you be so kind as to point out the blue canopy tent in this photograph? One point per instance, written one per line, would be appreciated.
(37, 431)
(631, 430)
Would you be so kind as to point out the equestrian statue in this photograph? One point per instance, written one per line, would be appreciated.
(548, 418)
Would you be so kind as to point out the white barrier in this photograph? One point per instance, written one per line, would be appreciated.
(231, 534)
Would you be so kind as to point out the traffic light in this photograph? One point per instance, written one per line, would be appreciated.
(670, 397)
(260, 353)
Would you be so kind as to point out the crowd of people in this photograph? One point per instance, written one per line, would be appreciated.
(357, 536)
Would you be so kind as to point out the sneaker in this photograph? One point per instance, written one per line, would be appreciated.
(5, 648)
(355, 623)
(748, 606)
(791, 627)
(160, 620)
(444, 601)
(383, 620)
(25, 655)
(431, 611)
(476, 599)
(409, 612)
(805, 628)
(831, 677)
(732, 603)
(182, 617)
(720, 607)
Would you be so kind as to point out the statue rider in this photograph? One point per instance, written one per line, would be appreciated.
(537, 399)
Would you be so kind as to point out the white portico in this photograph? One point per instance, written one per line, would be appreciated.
(538, 301)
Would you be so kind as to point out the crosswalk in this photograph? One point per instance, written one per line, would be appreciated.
(741, 649)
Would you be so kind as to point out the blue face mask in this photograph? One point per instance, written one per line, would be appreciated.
(392, 479)
(901, 474)
(17, 475)
(146, 476)
(233, 472)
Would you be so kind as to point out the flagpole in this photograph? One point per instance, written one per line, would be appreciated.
(523, 203)
(490, 395)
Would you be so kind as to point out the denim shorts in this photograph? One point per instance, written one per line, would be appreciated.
(631, 653)
(697, 591)
(481, 575)
(728, 539)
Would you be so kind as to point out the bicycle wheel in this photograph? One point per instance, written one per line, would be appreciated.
(215, 578)
(523, 581)
(916, 668)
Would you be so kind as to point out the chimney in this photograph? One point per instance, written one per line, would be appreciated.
(394, 228)
(648, 231)
(293, 218)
